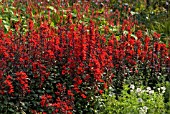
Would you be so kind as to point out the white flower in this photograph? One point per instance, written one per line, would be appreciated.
(151, 92)
(145, 108)
(148, 88)
(138, 90)
(167, 3)
(163, 91)
(163, 88)
(132, 87)
(159, 89)
(140, 100)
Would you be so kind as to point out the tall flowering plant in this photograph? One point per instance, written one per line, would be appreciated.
(60, 63)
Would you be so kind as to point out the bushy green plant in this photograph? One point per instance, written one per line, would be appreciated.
(133, 101)
(167, 97)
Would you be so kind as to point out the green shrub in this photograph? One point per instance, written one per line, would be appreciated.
(133, 101)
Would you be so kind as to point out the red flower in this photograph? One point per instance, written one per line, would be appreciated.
(1, 73)
(105, 86)
(31, 24)
(69, 92)
(8, 82)
(78, 81)
(59, 86)
(22, 78)
(139, 34)
(83, 96)
(156, 35)
(45, 100)
(51, 53)
(100, 91)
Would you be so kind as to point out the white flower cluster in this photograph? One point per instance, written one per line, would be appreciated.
(148, 90)
(143, 110)
(162, 89)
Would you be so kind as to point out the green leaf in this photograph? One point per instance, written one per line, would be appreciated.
(51, 8)
(86, 19)
(52, 24)
(48, 91)
(14, 19)
(101, 10)
(118, 38)
(74, 14)
(11, 110)
(7, 27)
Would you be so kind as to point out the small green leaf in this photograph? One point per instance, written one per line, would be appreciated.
(52, 24)
(11, 110)
(7, 27)
(74, 14)
(14, 19)
(118, 38)
(51, 8)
